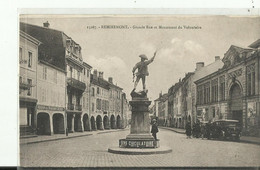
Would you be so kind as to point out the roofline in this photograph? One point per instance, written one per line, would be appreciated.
(50, 29)
(87, 65)
(51, 65)
(254, 43)
(27, 36)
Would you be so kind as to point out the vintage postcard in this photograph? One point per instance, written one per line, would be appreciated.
(139, 91)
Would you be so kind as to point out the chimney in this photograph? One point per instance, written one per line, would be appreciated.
(217, 58)
(100, 75)
(95, 74)
(110, 80)
(199, 65)
(46, 24)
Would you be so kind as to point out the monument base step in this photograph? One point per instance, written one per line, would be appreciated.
(140, 151)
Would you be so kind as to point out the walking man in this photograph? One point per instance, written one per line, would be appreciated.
(188, 130)
(142, 67)
(154, 129)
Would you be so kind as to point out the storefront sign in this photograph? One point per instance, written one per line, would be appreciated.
(52, 108)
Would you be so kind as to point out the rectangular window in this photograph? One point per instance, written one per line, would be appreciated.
(93, 107)
(78, 75)
(44, 73)
(29, 59)
(253, 83)
(249, 84)
(20, 54)
(71, 71)
(29, 81)
(93, 91)
(251, 79)
(88, 73)
(97, 90)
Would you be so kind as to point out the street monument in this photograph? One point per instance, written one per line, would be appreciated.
(140, 140)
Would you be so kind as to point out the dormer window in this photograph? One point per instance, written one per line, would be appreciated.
(68, 42)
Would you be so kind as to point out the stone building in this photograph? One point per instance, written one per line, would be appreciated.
(115, 110)
(125, 111)
(60, 74)
(162, 103)
(177, 99)
(28, 59)
(232, 92)
(99, 102)
(186, 99)
(106, 103)
(86, 97)
(202, 71)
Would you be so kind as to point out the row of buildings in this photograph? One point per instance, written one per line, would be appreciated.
(228, 88)
(58, 92)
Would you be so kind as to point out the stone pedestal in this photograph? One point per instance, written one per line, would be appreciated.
(140, 136)
(140, 140)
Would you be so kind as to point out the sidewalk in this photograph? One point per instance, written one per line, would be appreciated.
(46, 138)
(177, 130)
(244, 139)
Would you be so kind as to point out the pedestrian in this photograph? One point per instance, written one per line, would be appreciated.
(188, 130)
(154, 129)
(203, 131)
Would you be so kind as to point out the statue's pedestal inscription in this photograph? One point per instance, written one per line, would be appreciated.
(140, 136)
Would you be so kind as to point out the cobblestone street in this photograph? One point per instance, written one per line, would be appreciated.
(91, 151)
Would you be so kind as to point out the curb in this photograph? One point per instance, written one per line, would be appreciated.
(241, 140)
(251, 142)
(69, 137)
(49, 140)
(138, 151)
(171, 130)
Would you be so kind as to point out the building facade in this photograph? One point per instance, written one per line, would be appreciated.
(86, 108)
(28, 59)
(51, 99)
(68, 98)
(202, 71)
(232, 92)
(186, 99)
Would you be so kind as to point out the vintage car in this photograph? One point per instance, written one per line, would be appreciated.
(224, 129)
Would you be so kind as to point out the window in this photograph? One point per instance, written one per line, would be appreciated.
(20, 54)
(78, 75)
(88, 73)
(251, 80)
(93, 107)
(214, 90)
(29, 81)
(84, 70)
(44, 74)
(29, 59)
(222, 87)
(71, 71)
(97, 90)
(98, 104)
(93, 91)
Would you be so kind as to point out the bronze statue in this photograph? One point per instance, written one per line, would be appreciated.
(142, 67)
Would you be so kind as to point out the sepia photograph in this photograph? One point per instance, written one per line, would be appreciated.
(138, 91)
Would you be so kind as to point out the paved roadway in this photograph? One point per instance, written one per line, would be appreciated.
(91, 151)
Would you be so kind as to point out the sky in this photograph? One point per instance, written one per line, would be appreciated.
(116, 51)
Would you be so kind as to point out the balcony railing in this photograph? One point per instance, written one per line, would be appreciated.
(76, 84)
(78, 107)
(70, 106)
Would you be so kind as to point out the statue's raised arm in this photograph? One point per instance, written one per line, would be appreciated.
(142, 67)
